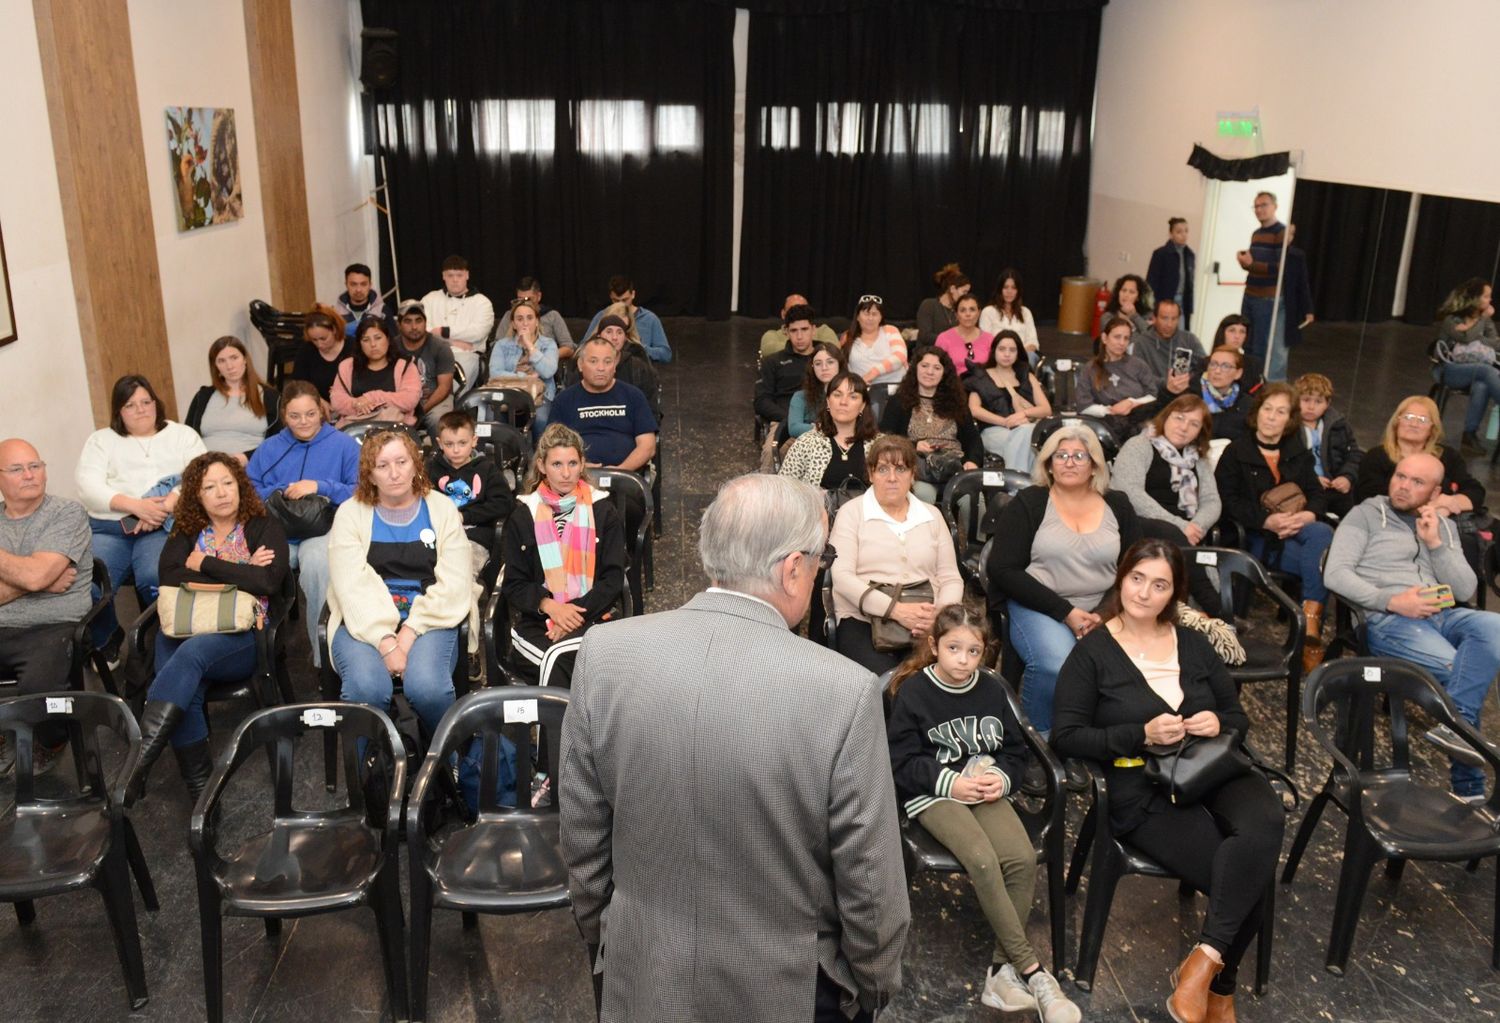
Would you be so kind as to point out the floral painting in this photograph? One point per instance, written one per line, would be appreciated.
(205, 156)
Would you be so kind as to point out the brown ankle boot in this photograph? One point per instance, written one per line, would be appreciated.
(1314, 612)
(1189, 1001)
(1220, 1009)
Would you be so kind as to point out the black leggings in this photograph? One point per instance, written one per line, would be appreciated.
(1226, 846)
(856, 643)
(1199, 585)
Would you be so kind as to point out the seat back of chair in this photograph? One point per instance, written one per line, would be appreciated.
(1047, 427)
(488, 714)
(82, 714)
(636, 517)
(1358, 690)
(499, 405)
(508, 447)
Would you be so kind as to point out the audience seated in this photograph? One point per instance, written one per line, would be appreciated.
(235, 412)
(807, 404)
(459, 316)
(222, 536)
(966, 344)
(473, 481)
(1130, 299)
(632, 364)
(317, 362)
(46, 566)
(1397, 559)
(1165, 472)
(1220, 385)
(360, 298)
(833, 455)
(525, 351)
(940, 312)
(1115, 385)
(612, 416)
(1234, 332)
(1467, 349)
(775, 339)
(1007, 400)
(1170, 273)
(645, 326)
(1056, 545)
(888, 537)
(1417, 426)
(127, 477)
(1284, 532)
(1142, 681)
(433, 358)
(1330, 438)
(401, 583)
(873, 348)
(934, 694)
(1007, 311)
(375, 382)
(1157, 345)
(930, 409)
(781, 377)
(529, 289)
(564, 559)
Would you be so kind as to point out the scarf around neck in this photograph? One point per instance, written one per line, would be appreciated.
(234, 549)
(1184, 466)
(1217, 404)
(566, 551)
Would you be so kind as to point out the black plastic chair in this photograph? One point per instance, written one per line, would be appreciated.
(1047, 427)
(508, 860)
(967, 501)
(365, 428)
(308, 861)
(283, 335)
(638, 535)
(498, 619)
(1111, 859)
(1392, 815)
(509, 405)
(83, 640)
(62, 843)
(1044, 823)
(1240, 574)
(508, 447)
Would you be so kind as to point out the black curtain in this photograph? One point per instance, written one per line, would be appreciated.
(570, 140)
(1352, 236)
(894, 137)
(1455, 239)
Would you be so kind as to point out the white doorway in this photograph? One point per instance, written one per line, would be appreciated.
(1228, 221)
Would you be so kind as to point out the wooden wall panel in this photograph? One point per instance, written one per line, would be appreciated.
(89, 71)
(278, 144)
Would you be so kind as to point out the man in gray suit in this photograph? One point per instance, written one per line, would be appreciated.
(728, 814)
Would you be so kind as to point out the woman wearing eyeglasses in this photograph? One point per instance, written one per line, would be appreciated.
(1056, 546)
(967, 344)
(873, 348)
(888, 536)
(1416, 427)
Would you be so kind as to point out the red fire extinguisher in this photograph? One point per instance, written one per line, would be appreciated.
(1101, 299)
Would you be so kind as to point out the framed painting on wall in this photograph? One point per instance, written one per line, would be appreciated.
(7, 309)
(205, 155)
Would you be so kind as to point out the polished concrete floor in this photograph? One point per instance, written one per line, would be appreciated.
(1422, 952)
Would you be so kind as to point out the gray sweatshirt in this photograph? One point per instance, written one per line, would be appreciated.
(1148, 346)
(1376, 554)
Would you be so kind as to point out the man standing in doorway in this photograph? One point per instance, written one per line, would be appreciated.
(1262, 261)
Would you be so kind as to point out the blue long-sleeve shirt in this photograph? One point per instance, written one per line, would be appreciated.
(507, 355)
(330, 459)
(648, 326)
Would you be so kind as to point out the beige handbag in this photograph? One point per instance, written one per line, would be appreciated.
(534, 386)
(1285, 499)
(202, 609)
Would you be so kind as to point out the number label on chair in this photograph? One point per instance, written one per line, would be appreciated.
(320, 717)
(1372, 674)
(993, 479)
(1206, 557)
(520, 712)
(605, 482)
(59, 705)
(1072, 422)
(1063, 365)
(481, 429)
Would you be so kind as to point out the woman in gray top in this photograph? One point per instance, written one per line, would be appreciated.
(1114, 385)
(1467, 345)
(235, 412)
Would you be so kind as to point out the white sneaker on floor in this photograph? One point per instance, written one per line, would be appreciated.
(1003, 990)
(1052, 1006)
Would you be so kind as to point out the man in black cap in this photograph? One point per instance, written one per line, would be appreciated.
(461, 317)
(434, 359)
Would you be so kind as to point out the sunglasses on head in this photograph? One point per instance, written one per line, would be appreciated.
(871, 299)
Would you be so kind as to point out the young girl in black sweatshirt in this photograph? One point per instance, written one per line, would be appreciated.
(957, 752)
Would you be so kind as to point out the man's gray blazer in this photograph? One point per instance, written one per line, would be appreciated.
(728, 818)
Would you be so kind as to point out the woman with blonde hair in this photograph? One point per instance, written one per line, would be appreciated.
(564, 559)
(1416, 427)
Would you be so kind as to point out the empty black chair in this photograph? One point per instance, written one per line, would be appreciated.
(509, 447)
(283, 335)
(1392, 815)
(83, 640)
(308, 861)
(64, 842)
(967, 500)
(1047, 427)
(636, 516)
(509, 405)
(1044, 823)
(1240, 574)
(508, 859)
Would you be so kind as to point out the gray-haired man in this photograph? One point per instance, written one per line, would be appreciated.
(728, 799)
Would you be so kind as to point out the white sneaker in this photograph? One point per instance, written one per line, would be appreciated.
(1052, 1006)
(1004, 990)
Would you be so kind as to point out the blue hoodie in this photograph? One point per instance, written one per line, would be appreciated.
(331, 459)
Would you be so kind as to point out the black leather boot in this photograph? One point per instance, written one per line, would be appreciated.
(159, 720)
(196, 762)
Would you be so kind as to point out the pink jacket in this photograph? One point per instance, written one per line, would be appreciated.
(405, 398)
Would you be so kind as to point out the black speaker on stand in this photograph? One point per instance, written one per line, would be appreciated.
(379, 70)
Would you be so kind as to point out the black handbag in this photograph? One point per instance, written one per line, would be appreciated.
(301, 517)
(1196, 766)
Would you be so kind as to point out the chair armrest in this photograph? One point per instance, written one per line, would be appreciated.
(140, 628)
(1295, 638)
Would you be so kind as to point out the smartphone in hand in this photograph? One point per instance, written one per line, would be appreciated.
(130, 524)
(1182, 360)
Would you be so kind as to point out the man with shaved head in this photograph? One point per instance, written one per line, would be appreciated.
(1400, 561)
(46, 566)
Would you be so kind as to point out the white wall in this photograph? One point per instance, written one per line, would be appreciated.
(1375, 92)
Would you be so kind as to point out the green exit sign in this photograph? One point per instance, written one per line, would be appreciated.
(1238, 127)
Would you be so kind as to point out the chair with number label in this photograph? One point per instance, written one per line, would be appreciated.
(509, 405)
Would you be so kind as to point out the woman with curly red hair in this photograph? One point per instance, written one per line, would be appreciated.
(222, 534)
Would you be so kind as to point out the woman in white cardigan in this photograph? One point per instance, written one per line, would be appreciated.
(400, 582)
(127, 477)
(888, 536)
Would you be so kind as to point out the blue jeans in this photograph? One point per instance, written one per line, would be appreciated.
(127, 556)
(1258, 312)
(1300, 555)
(428, 679)
(185, 667)
(310, 560)
(1482, 381)
(1461, 648)
(1011, 443)
(1043, 643)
